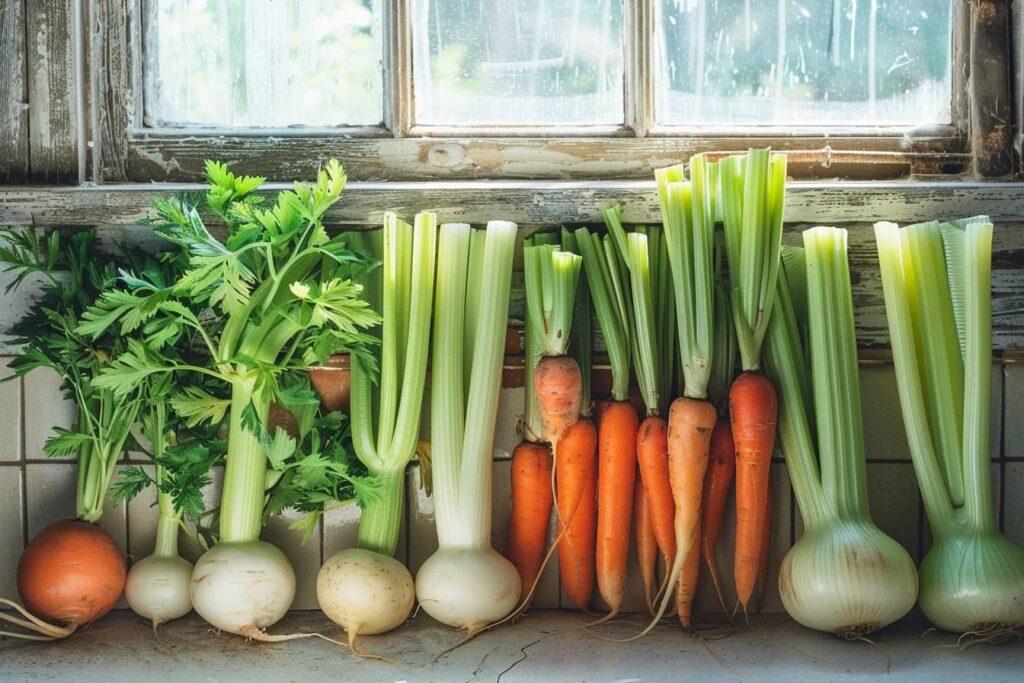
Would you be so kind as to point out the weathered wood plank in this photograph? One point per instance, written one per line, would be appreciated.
(535, 202)
(52, 90)
(114, 47)
(13, 93)
(179, 157)
(991, 117)
(872, 331)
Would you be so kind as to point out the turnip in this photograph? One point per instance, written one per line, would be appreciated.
(282, 289)
(385, 430)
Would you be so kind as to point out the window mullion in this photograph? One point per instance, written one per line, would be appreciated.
(398, 90)
(639, 82)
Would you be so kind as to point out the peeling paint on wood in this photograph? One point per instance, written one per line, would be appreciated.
(179, 156)
(115, 45)
(534, 202)
(13, 93)
(52, 90)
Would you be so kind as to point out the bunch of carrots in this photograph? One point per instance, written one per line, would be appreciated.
(672, 322)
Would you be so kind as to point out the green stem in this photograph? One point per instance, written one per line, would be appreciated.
(978, 374)
(166, 528)
(834, 367)
(241, 510)
(381, 518)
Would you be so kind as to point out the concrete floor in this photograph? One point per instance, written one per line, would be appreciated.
(121, 648)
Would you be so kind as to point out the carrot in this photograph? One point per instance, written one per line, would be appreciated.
(721, 467)
(687, 586)
(652, 454)
(531, 510)
(617, 474)
(646, 546)
(690, 424)
(762, 569)
(576, 493)
(559, 386)
(753, 408)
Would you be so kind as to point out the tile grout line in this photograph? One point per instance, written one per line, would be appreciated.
(23, 463)
(1001, 510)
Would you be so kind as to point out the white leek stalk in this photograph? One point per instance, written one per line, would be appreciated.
(937, 283)
(844, 575)
(466, 583)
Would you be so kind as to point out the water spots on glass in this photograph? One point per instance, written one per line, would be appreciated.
(786, 62)
(529, 62)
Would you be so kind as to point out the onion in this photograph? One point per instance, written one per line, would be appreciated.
(847, 578)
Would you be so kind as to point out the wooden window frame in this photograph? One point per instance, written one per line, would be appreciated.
(126, 150)
(73, 101)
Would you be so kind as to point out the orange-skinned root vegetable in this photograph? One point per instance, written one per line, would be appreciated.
(717, 482)
(557, 381)
(531, 509)
(577, 510)
(843, 576)
(937, 281)
(385, 429)
(466, 584)
(646, 546)
(551, 278)
(752, 198)
(71, 574)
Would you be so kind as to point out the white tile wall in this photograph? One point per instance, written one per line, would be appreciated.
(36, 492)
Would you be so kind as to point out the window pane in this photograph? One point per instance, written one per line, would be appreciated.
(809, 62)
(518, 61)
(264, 62)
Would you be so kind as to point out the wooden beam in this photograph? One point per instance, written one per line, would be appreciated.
(991, 117)
(13, 93)
(53, 90)
(533, 202)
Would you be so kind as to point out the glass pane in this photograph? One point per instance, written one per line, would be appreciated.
(518, 62)
(264, 62)
(806, 62)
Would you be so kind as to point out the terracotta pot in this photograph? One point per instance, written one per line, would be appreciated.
(282, 418)
(332, 381)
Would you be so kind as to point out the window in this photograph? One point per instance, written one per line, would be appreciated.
(422, 89)
(518, 62)
(804, 62)
(251, 63)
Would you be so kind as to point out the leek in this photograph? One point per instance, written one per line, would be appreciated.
(936, 278)
(844, 575)
(466, 583)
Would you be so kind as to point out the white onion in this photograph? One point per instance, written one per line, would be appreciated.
(973, 583)
(847, 578)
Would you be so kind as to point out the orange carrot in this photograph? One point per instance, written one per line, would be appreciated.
(652, 454)
(762, 570)
(576, 493)
(754, 409)
(531, 510)
(721, 467)
(687, 586)
(559, 386)
(617, 474)
(691, 422)
(646, 546)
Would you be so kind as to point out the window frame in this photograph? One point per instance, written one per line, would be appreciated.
(124, 149)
